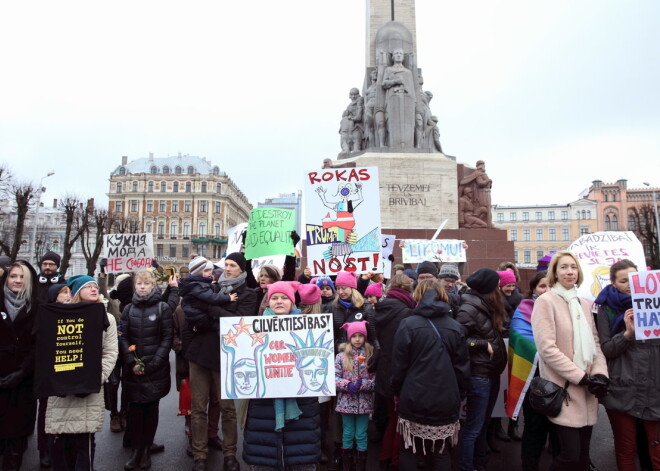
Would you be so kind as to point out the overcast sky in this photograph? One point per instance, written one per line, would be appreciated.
(552, 95)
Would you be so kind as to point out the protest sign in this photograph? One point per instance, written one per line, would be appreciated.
(128, 252)
(69, 348)
(343, 220)
(386, 249)
(645, 293)
(276, 260)
(234, 234)
(438, 250)
(597, 252)
(269, 232)
(277, 356)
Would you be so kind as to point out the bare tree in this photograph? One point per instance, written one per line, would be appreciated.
(125, 225)
(98, 224)
(42, 244)
(75, 225)
(6, 179)
(23, 194)
(641, 220)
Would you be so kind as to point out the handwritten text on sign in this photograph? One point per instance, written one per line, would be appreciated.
(269, 232)
(645, 293)
(128, 252)
(438, 250)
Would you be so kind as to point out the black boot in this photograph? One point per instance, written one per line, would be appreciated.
(145, 462)
(499, 431)
(513, 432)
(134, 460)
(44, 459)
(361, 461)
(347, 459)
(490, 439)
(335, 462)
(13, 455)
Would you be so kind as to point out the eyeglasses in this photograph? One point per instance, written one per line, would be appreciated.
(48, 264)
(91, 286)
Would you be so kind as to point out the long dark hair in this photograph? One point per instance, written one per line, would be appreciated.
(495, 302)
(534, 282)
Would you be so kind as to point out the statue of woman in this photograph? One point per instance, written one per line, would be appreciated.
(399, 102)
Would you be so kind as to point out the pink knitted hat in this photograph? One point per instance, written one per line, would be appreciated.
(357, 327)
(375, 289)
(286, 287)
(309, 294)
(346, 279)
(506, 277)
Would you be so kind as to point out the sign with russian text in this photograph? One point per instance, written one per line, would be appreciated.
(437, 250)
(597, 252)
(277, 356)
(128, 252)
(269, 232)
(69, 348)
(645, 293)
(343, 220)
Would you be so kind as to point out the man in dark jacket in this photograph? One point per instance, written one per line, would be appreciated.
(448, 277)
(50, 275)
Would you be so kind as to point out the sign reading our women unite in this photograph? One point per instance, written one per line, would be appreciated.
(645, 293)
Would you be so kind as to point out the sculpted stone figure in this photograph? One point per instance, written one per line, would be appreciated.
(479, 184)
(422, 116)
(470, 214)
(433, 134)
(374, 116)
(350, 128)
(399, 102)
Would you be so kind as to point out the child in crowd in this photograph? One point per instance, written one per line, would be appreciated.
(327, 289)
(355, 392)
(59, 293)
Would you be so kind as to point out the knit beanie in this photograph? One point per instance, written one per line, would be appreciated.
(52, 257)
(78, 282)
(506, 277)
(238, 258)
(449, 270)
(309, 294)
(346, 279)
(357, 327)
(410, 273)
(484, 280)
(197, 266)
(325, 281)
(54, 291)
(399, 266)
(427, 267)
(375, 289)
(286, 287)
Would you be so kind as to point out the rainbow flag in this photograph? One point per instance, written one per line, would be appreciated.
(523, 359)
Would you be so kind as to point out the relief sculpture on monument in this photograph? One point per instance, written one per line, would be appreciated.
(474, 203)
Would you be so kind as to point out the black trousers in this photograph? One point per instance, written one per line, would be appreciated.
(72, 451)
(573, 449)
(142, 421)
(435, 459)
(534, 436)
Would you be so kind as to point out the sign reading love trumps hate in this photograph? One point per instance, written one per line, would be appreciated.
(645, 293)
(342, 209)
(128, 252)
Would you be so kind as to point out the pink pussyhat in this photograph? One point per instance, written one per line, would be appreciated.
(357, 327)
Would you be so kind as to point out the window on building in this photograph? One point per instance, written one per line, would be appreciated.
(615, 222)
(608, 223)
(119, 187)
(159, 250)
(588, 214)
(134, 206)
(175, 187)
(185, 251)
(539, 233)
(500, 217)
(564, 215)
(122, 170)
(539, 254)
(202, 206)
(526, 234)
(552, 233)
(527, 256)
(514, 235)
(551, 215)
(163, 187)
(216, 171)
(174, 230)
(118, 206)
(512, 216)
(525, 216)
(161, 230)
(565, 233)
(217, 230)
(204, 187)
(150, 187)
(178, 170)
(166, 170)
(191, 170)
(187, 205)
(173, 250)
(539, 215)
(186, 230)
(188, 187)
(135, 187)
(218, 188)
(153, 170)
(632, 226)
(605, 197)
(515, 256)
(149, 227)
(584, 230)
(175, 206)
(217, 208)
(201, 249)
(202, 229)
(161, 206)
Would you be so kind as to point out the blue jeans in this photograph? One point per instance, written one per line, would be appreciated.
(481, 398)
(355, 427)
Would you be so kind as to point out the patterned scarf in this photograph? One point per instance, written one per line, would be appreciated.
(584, 347)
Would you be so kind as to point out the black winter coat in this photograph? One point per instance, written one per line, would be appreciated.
(342, 315)
(475, 317)
(430, 375)
(148, 324)
(389, 312)
(203, 342)
(298, 443)
(18, 406)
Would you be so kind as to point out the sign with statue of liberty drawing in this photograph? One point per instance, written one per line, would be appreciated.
(342, 209)
(276, 356)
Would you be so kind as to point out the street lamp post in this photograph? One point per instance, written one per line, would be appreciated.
(33, 242)
(657, 220)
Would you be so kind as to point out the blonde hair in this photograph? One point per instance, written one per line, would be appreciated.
(25, 293)
(348, 354)
(357, 300)
(311, 308)
(431, 283)
(145, 275)
(552, 267)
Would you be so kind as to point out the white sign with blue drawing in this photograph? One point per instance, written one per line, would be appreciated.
(277, 356)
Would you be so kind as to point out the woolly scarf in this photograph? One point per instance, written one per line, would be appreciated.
(228, 285)
(617, 302)
(402, 295)
(346, 304)
(13, 304)
(285, 408)
(584, 347)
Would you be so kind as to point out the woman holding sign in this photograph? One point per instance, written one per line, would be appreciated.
(569, 353)
(17, 404)
(632, 366)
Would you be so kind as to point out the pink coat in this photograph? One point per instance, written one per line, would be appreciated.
(553, 333)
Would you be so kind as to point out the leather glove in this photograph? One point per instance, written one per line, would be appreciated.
(295, 237)
(583, 381)
(598, 385)
(11, 380)
(353, 388)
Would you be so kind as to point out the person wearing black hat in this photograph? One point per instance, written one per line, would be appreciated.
(482, 316)
(50, 275)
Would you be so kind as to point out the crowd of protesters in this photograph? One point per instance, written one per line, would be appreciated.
(410, 352)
